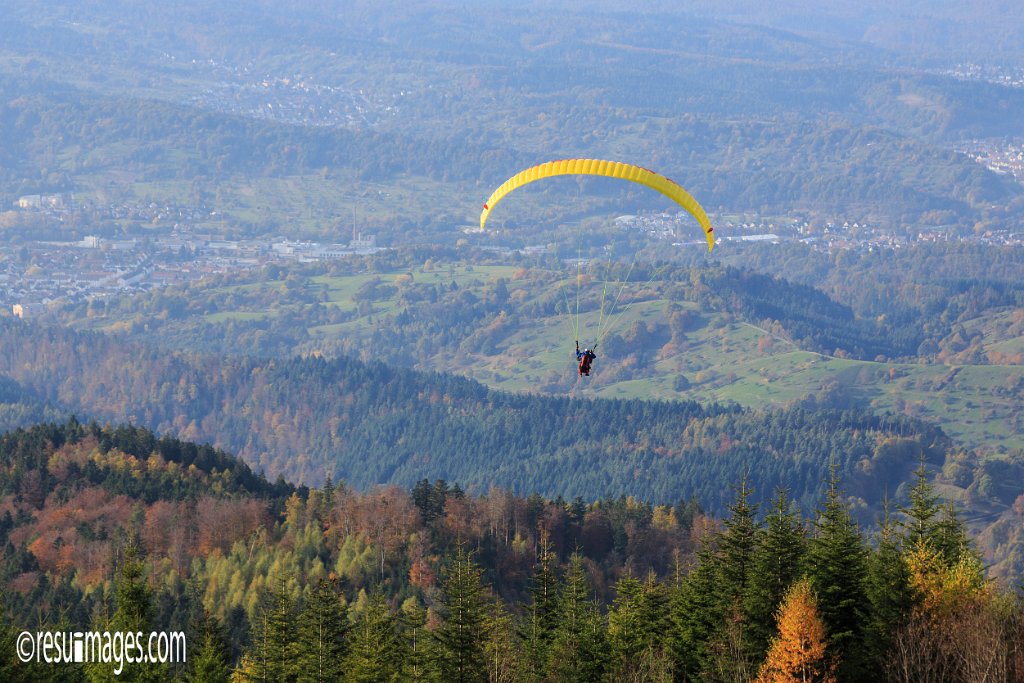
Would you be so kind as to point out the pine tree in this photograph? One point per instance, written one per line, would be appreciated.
(736, 545)
(133, 613)
(273, 648)
(654, 611)
(798, 653)
(321, 630)
(461, 638)
(211, 661)
(627, 632)
(949, 535)
(775, 566)
(208, 664)
(888, 592)
(836, 567)
(416, 664)
(932, 525)
(132, 596)
(502, 647)
(11, 666)
(923, 508)
(578, 650)
(696, 615)
(543, 612)
(374, 652)
(736, 550)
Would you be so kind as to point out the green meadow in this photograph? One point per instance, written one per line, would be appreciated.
(719, 358)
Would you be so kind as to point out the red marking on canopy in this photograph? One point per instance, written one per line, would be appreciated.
(486, 207)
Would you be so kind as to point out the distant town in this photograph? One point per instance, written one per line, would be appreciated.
(999, 156)
(1010, 77)
(827, 237)
(38, 274)
(292, 98)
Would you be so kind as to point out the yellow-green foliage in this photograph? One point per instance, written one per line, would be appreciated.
(356, 560)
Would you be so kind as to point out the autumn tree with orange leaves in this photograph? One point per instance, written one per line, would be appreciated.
(797, 655)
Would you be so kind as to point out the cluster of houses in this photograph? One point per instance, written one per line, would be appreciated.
(36, 275)
(829, 237)
(61, 201)
(1005, 158)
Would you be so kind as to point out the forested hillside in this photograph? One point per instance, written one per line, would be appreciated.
(408, 305)
(374, 460)
(406, 119)
(930, 331)
(366, 423)
(112, 527)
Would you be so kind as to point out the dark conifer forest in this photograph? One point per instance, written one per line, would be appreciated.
(108, 526)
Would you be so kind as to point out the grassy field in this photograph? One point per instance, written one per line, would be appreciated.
(720, 359)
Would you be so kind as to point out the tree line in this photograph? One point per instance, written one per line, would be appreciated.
(440, 583)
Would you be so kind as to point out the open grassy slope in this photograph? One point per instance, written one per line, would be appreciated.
(529, 349)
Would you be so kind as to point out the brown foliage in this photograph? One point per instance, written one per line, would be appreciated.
(219, 522)
(422, 575)
(169, 532)
(65, 536)
(385, 517)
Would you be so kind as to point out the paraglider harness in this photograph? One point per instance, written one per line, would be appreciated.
(585, 357)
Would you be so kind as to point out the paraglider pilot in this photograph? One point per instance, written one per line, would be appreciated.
(585, 357)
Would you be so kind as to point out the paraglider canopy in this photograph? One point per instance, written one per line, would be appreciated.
(609, 169)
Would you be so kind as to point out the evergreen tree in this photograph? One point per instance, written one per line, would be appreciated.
(11, 667)
(929, 523)
(133, 602)
(543, 612)
(889, 594)
(627, 632)
(775, 566)
(836, 566)
(654, 612)
(272, 656)
(637, 630)
(211, 660)
(322, 625)
(949, 535)
(416, 664)
(579, 643)
(502, 647)
(736, 545)
(327, 499)
(697, 615)
(208, 664)
(132, 596)
(374, 651)
(923, 508)
(460, 639)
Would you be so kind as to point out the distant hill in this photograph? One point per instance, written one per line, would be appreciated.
(20, 407)
(369, 423)
(929, 331)
(428, 111)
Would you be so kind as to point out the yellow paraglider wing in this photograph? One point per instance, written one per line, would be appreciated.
(610, 169)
